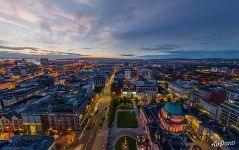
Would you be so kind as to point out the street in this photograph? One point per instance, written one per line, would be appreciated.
(88, 134)
(196, 141)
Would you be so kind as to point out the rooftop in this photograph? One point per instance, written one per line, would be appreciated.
(212, 88)
(228, 134)
(185, 84)
(171, 142)
(173, 108)
(27, 142)
(56, 103)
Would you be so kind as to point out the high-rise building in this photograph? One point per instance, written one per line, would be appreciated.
(147, 89)
(215, 94)
(182, 88)
(229, 110)
(171, 118)
(128, 73)
(44, 61)
(165, 127)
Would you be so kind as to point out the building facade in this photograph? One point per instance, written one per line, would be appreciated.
(182, 88)
(146, 89)
(164, 127)
(229, 110)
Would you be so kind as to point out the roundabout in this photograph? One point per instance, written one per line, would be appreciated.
(125, 142)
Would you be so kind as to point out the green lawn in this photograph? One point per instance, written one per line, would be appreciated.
(126, 106)
(131, 143)
(126, 120)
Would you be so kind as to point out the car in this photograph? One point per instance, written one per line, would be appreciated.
(196, 147)
(194, 137)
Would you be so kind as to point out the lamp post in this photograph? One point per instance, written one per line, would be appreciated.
(125, 145)
(9, 128)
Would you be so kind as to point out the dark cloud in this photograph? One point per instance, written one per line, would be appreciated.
(201, 18)
(191, 22)
(196, 54)
(162, 47)
(90, 48)
(154, 26)
(4, 42)
(17, 48)
(33, 56)
(67, 53)
(87, 48)
(50, 53)
(110, 13)
(128, 55)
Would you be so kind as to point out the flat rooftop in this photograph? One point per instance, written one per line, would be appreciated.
(27, 142)
(228, 134)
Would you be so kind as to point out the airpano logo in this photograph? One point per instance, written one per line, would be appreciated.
(223, 143)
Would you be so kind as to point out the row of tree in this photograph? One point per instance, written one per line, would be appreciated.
(111, 112)
(115, 102)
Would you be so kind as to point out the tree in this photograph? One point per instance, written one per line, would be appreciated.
(114, 103)
(152, 101)
(161, 101)
(166, 85)
(1, 132)
(136, 100)
(182, 99)
(138, 106)
(169, 98)
(112, 111)
(121, 100)
(124, 100)
(128, 100)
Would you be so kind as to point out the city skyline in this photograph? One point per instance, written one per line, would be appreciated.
(152, 29)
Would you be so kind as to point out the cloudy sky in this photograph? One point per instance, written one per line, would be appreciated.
(119, 28)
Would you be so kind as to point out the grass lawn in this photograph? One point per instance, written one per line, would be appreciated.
(131, 143)
(127, 106)
(126, 120)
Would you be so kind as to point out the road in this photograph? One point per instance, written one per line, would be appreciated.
(87, 137)
(116, 132)
(197, 141)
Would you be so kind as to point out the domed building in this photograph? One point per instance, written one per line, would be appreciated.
(171, 118)
(165, 127)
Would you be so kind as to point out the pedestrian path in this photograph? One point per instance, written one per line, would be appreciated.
(102, 137)
(116, 133)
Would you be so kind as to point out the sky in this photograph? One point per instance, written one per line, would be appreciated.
(119, 28)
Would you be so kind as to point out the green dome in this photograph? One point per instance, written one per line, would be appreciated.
(173, 108)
